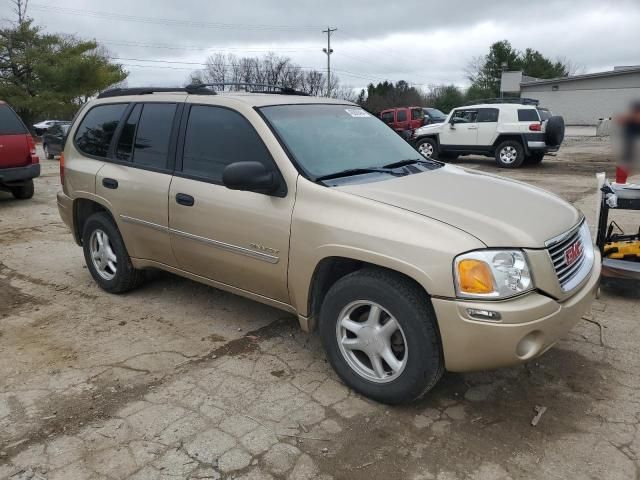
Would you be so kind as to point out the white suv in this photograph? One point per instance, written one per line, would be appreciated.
(513, 133)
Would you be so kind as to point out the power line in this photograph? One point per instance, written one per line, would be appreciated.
(189, 63)
(196, 47)
(163, 21)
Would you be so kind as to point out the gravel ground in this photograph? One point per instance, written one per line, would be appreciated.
(179, 380)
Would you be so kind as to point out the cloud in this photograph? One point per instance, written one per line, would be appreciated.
(424, 42)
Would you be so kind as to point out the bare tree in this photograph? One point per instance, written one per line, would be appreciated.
(20, 10)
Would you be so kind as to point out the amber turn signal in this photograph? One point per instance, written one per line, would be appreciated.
(474, 276)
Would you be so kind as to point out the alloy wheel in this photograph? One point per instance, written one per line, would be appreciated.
(102, 255)
(372, 341)
(508, 155)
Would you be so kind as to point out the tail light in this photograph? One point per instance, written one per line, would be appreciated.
(32, 149)
(535, 127)
(62, 169)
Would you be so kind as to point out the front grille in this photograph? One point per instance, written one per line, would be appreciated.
(557, 251)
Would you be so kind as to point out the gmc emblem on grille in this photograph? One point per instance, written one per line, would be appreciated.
(572, 254)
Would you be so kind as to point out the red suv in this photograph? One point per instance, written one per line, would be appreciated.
(403, 118)
(19, 164)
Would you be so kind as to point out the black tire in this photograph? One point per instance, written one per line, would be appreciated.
(126, 276)
(413, 311)
(425, 143)
(554, 131)
(47, 154)
(23, 192)
(515, 147)
(534, 158)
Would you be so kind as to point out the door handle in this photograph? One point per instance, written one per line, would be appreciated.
(473, 127)
(111, 183)
(184, 199)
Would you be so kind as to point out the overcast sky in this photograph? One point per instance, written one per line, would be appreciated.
(424, 42)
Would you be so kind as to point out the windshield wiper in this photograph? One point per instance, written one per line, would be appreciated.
(358, 171)
(410, 161)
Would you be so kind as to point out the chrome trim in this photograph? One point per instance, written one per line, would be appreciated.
(228, 247)
(216, 243)
(534, 144)
(144, 223)
(558, 238)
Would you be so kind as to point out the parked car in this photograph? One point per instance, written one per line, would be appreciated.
(53, 139)
(19, 164)
(404, 118)
(313, 206)
(512, 133)
(433, 115)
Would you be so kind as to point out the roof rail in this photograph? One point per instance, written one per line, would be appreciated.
(248, 87)
(522, 101)
(119, 92)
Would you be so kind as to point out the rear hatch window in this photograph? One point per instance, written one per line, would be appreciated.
(544, 114)
(10, 123)
(528, 115)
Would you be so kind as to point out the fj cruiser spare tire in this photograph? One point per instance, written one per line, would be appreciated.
(554, 131)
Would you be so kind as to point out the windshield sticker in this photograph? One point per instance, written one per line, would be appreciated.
(357, 113)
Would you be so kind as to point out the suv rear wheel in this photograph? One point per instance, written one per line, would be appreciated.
(379, 332)
(106, 256)
(427, 147)
(23, 192)
(509, 154)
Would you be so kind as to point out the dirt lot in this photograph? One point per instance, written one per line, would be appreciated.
(179, 380)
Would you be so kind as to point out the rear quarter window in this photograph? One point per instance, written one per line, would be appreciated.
(528, 115)
(96, 129)
(10, 123)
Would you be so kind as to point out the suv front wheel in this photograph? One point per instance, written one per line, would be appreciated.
(106, 256)
(379, 331)
(509, 154)
(428, 148)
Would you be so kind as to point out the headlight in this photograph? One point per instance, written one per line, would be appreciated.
(492, 274)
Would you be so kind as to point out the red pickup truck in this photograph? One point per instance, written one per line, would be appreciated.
(19, 164)
(403, 119)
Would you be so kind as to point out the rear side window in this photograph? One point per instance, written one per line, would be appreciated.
(96, 130)
(528, 115)
(402, 115)
(127, 135)
(488, 115)
(10, 123)
(153, 135)
(217, 137)
(387, 117)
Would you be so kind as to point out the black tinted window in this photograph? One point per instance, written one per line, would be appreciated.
(528, 115)
(153, 135)
(417, 114)
(55, 130)
(125, 142)
(10, 123)
(465, 116)
(217, 137)
(487, 115)
(387, 117)
(402, 115)
(97, 128)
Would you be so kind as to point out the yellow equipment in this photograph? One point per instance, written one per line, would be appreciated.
(623, 250)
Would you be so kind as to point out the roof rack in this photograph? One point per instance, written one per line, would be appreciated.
(119, 92)
(522, 101)
(248, 87)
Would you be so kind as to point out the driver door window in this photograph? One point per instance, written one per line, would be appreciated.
(463, 129)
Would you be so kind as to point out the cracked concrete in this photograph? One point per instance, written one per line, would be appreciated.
(178, 380)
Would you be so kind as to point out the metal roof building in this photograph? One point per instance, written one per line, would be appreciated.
(580, 99)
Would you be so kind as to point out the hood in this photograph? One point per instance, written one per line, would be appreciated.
(497, 211)
(430, 128)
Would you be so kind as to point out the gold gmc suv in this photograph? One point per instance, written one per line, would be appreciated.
(406, 266)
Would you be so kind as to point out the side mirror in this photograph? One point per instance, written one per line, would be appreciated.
(251, 177)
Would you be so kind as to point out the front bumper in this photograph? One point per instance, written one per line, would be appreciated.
(530, 325)
(19, 174)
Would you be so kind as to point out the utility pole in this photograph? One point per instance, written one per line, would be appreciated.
(328, 51)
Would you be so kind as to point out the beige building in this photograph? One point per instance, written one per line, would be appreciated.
(580, 99)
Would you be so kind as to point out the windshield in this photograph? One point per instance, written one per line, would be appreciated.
(326, 139)
(434, 113)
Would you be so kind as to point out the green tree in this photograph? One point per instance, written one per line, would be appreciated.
(485, 72)
(445, 97)
(51, 75)
(389, 95)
